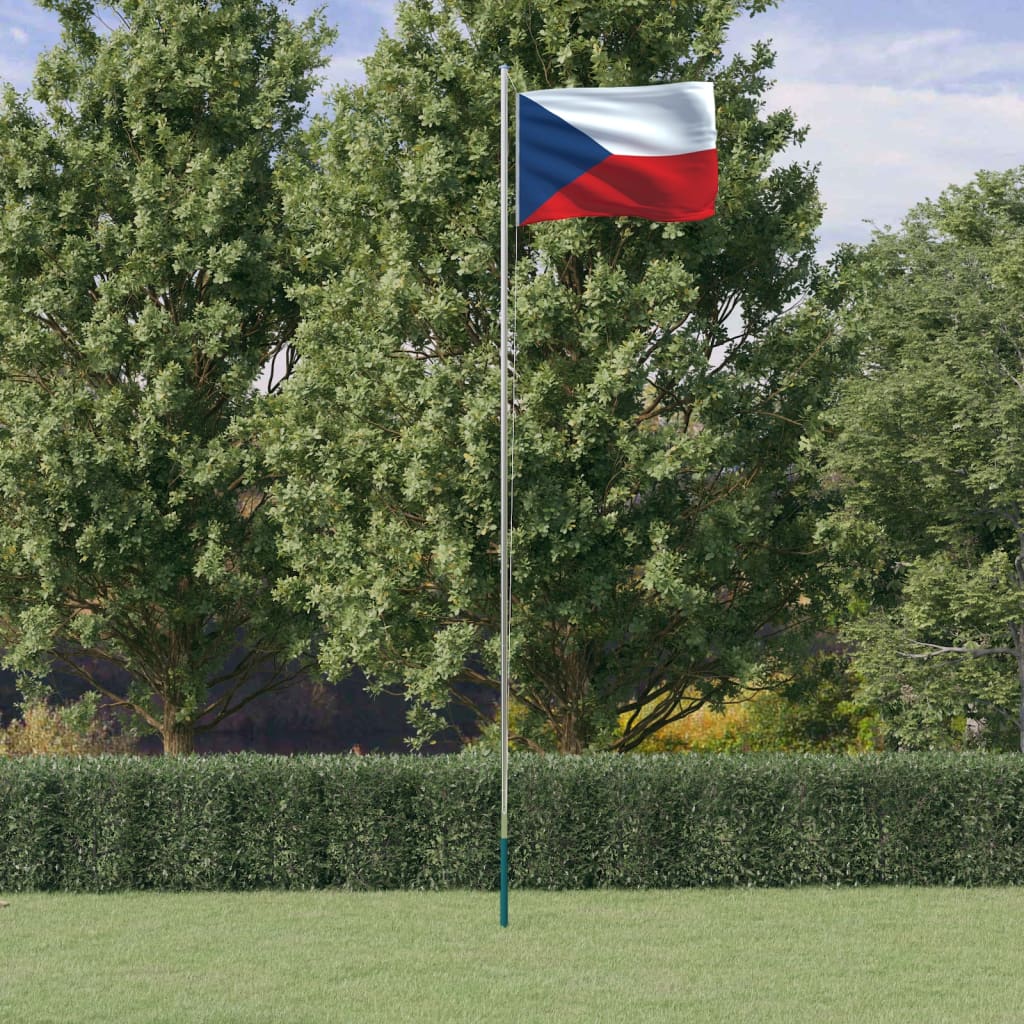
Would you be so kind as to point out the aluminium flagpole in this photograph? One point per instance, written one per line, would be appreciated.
(505, 581)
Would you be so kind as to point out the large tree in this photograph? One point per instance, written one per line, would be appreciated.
(660, 543)
(925, 458)
(144, 266)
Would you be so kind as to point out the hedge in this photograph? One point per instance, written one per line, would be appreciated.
(251, 821)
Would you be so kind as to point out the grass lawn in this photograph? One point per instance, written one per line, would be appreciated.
(916, 956)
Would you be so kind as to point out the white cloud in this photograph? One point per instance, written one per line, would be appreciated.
(342, 69)
(883, 149)
(944, 59)
(896, 117)
(927, 40)
(16, 71)
(25, 31)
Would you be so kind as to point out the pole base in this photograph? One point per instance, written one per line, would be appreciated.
(504, 882)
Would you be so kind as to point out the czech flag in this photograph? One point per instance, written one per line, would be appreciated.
(639, 151)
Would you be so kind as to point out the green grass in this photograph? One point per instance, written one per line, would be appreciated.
(870, 956)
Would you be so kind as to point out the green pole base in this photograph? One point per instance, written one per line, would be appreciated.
(504, 882)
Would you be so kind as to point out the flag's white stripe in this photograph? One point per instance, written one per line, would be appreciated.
(639, 120)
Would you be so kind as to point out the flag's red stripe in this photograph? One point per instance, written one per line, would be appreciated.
(668, 188)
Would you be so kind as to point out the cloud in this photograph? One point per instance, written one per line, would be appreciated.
(948, 60)
(343, 68)
(895, 118)
(884, 149)
(25, 30)
(17, 71)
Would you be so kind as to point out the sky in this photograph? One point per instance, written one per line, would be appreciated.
(902, 97)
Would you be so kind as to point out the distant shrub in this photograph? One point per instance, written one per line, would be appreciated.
(706, 730)
(816, 712)
(77, 728)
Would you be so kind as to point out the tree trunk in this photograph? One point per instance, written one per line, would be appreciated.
(569, 739)
(569, 717)
(179, 737)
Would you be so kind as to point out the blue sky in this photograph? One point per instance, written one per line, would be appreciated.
(903, 97)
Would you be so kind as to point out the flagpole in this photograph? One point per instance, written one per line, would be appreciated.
(505, 580)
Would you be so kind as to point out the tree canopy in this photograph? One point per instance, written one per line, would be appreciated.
(662, 538)
(925, 458)
(144, 273)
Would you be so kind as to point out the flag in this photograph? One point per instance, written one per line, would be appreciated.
(636, 151)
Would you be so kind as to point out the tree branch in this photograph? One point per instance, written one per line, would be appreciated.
(938, 650)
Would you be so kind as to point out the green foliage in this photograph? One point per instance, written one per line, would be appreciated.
(816, 710)
(661, 515)
(924, 455)
(143, 274)
(658, 821)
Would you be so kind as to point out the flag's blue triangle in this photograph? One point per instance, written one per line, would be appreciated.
(551, 154)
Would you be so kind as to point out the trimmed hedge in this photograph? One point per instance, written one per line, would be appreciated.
(250, 821)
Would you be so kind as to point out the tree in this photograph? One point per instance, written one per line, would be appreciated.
(143, 284)
(661, 537)
(925, 458)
